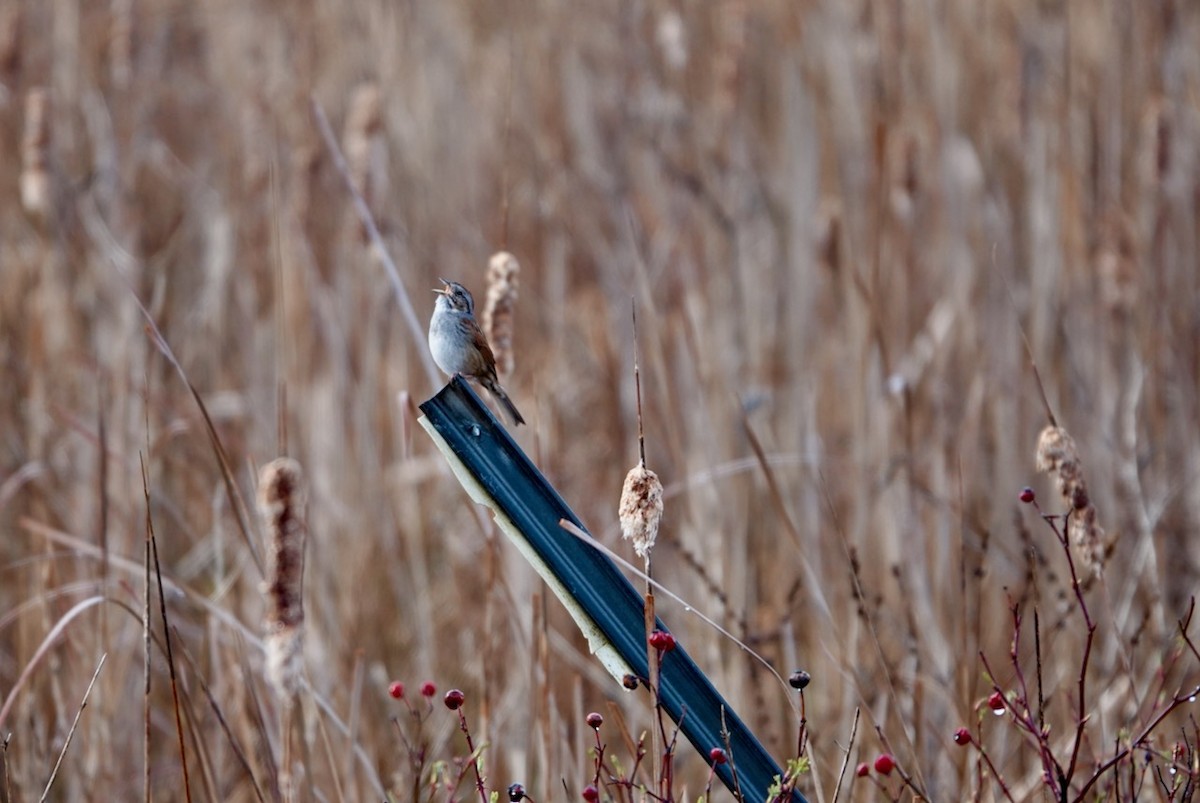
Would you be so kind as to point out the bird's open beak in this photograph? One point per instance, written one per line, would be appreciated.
(445, 291)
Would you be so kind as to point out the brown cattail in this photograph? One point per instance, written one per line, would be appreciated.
(1056, 453)
(281, 503)
(641, 509)
(120, 43)
(498, 309)
(1116, 268)
(671, 36)
(35, 154)
(11, 25)
(729, 53)
(829, 235)
(361, 141)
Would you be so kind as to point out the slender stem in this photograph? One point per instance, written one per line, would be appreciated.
(462, 724)
(846, 758)
(74, 724)
(1176, 701)
(637, 383)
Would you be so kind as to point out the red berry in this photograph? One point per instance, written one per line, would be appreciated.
(428, 689)
(396, 690)
(454, 699)
(962, 736)
(996, 702)
(884, 764)
(862, 770)
(1027, 495)
(717, 756)
(594, 721)
(662, 640)
(590, 794)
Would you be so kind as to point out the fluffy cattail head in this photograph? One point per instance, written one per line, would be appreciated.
(641, 508)
(281, 503)
(35, 154)
(1056, 454)
(498, 309)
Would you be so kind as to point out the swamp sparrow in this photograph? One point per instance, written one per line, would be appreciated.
(460, 347)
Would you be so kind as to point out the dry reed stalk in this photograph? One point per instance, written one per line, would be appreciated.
(1057, 454)
(35, 154)
(498, 308)
(71, 733)
(281, 503)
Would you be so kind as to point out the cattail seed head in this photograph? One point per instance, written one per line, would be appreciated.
(1057, 454)
(499, 307)
(281, 503)
(641, 508)
(35, 154)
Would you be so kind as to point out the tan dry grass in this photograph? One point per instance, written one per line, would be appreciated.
(833, 216)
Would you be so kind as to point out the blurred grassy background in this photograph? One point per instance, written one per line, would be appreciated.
(835, 218)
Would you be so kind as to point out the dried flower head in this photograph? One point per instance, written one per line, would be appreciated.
(363, 143)
(498, 309)
(1116, 267)
(641, 508)
(281, 503)
(35, 150)
(1056, 454)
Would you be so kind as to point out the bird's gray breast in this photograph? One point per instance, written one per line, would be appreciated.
(446, 340)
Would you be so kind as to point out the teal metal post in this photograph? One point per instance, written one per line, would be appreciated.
(604, 603)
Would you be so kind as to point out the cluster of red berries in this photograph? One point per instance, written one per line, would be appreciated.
(396, 689)
(884, 764)
(662, 641)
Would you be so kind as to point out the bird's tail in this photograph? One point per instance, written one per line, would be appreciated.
(510, 409)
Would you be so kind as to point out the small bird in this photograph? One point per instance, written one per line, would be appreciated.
(460, 347)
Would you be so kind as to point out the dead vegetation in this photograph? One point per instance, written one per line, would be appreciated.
(836, 220)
